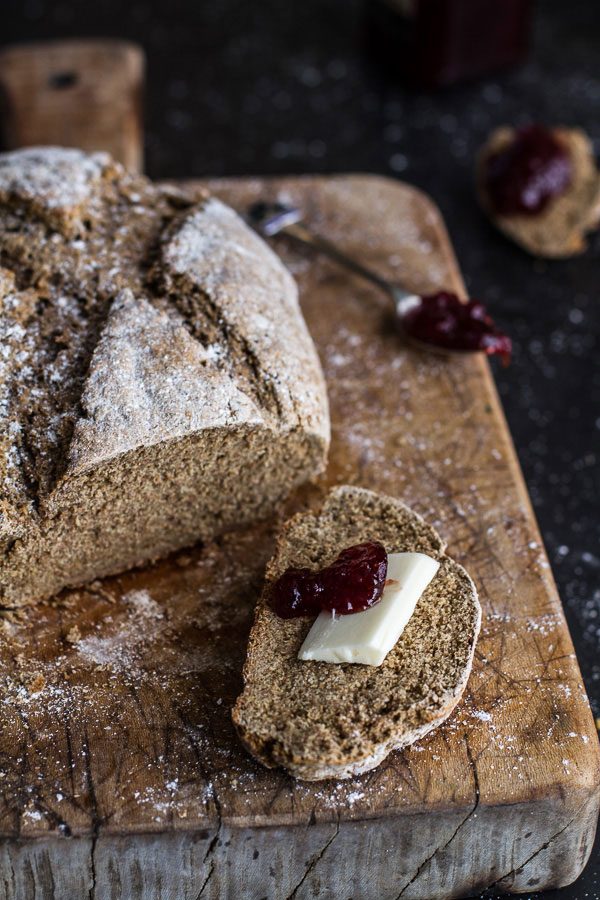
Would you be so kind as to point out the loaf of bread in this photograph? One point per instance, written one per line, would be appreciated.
(559, 230)
(334, 720)
(157, 381)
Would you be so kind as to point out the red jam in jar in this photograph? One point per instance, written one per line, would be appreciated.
(430, 43)
(524, 177)
(443, 320)
(352, 583)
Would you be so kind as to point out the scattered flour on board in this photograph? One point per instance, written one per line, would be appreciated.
(119, 650)
(482, 715)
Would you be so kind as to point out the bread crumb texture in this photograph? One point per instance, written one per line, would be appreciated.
(320, 720)
(157, 381)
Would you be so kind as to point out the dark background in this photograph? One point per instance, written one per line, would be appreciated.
(238, 87)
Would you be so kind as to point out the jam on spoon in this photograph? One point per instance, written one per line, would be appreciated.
(351, 583)
(444, 320)
(531, 171)
(440, 321)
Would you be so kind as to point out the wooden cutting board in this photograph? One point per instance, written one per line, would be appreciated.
(120, 772)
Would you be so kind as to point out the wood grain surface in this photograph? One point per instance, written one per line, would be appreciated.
(121, 774)
(78, 93)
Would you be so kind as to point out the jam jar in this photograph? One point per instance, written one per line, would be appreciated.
(430, 43)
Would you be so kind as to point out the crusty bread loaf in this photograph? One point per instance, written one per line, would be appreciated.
(157, 380)
(561, 228)
(322, 720)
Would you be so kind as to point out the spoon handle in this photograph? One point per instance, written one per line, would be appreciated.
(304, 235)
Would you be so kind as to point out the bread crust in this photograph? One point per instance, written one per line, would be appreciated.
(303, 731)
(559, 230)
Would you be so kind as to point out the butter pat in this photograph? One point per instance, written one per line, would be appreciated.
(367, 637)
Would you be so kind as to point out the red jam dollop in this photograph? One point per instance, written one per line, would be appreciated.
(445, 321)
(529, 173)
(352, 583)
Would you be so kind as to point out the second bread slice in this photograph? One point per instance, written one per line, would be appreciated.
(560, 230)
(321, 720)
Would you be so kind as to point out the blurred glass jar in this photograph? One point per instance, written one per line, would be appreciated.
(430, 43)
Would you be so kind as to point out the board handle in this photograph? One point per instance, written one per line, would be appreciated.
(75, 93)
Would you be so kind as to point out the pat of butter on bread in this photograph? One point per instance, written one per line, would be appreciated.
(367, 637)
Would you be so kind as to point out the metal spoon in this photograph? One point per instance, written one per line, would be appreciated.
(275, 218)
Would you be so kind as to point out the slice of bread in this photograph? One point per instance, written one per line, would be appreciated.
(321, 720)
(560, 229)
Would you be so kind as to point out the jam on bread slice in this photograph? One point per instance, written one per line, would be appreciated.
(541, 187)
(320, 719)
